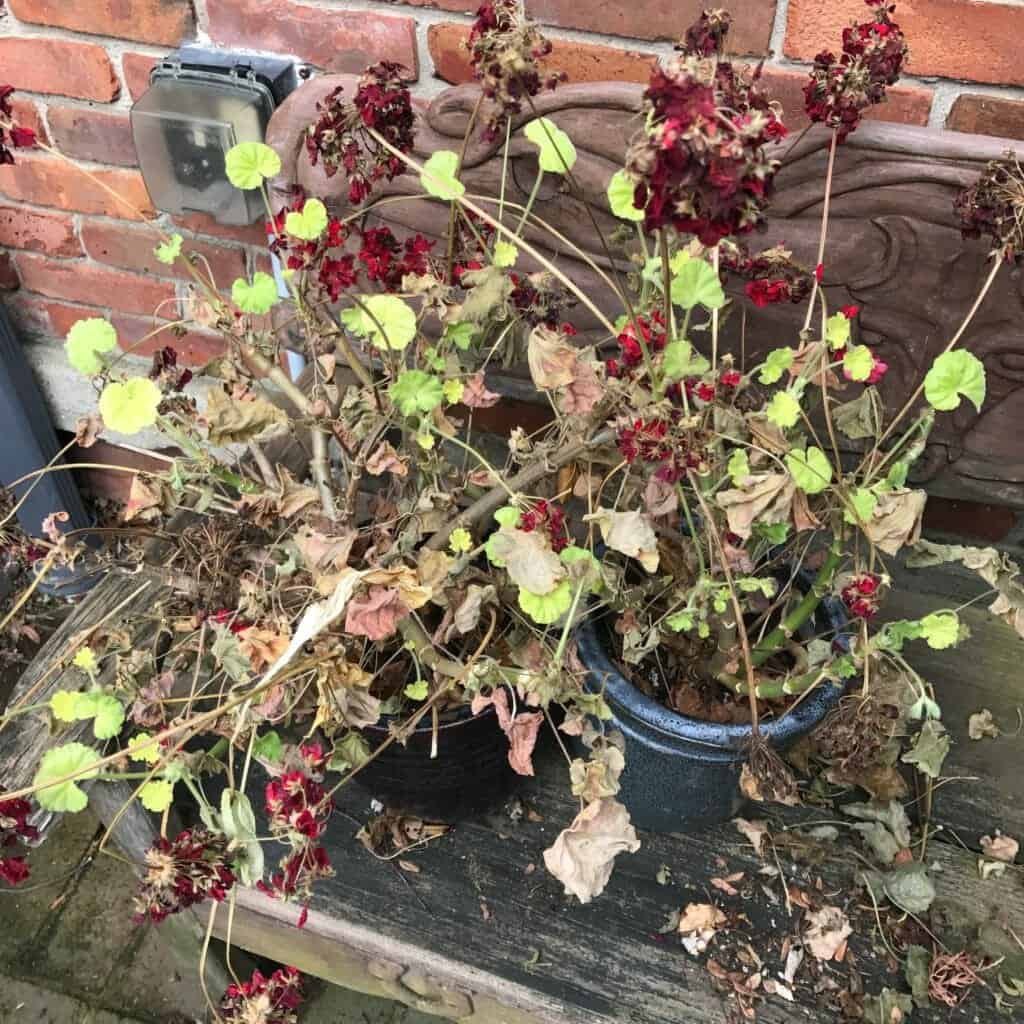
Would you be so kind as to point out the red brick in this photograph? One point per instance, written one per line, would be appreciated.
(905, 104)
(658, 19)
(582, 62)
(100, 135)
(204, 224)
(97, 286)
(137, 67)
(468, 6)
(335, 39)
(51, 181)
(987, 115)
(148, 21)
(132, 248)
(46, 318)
(8, 274)
(26, 114)
(194, 348)
(82, 70)
(38, 230)
(952, 38)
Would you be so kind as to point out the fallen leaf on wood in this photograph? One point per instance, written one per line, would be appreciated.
(583, 855)
(755, 831)
(408, 865)
(826, 933)
(698, 924)
(725, 884)
(981, 724)
(1000, 847)
(776, 988)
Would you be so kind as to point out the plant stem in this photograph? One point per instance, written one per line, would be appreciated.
(531, 200)
(833, 144)
(453, 208)
(804, 609)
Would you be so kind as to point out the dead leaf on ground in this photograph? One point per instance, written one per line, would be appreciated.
(726, 884)
(699, 924)
(755, 832)
(1000, 847)
(981, 724)
(826, 933)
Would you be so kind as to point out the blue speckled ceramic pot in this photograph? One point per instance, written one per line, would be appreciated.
(682, 773)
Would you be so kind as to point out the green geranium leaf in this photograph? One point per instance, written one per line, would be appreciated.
(738, 466)
(259, 297)
(268, 746)
(697, 284)
(460, 541)
(858, 362)
(131, 405)
(350, 752)
(505, 254)
(416, 391)
(85, 340)
(897, 475)
(863, 502)
(63, 704)
(783, 410)
(438, 177)
(396, 318)
(812, 472)
(837, 331)
(546, 608)
(453, 391)
(309, 223)
(66, 797)
(583, 567)
(249, 164)
(460, 335)
(778, 361)
(85, 659)
(108, 716)
(681, 359)
(417, 690)
(941, 630)
(142, 747)
(507, 516)
(954, 374)
(168, 252)
(620, 197)
(557, 153)
(156, 795)
(775, 533)
(680, 622)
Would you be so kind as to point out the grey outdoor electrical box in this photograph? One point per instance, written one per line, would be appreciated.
(202, 101)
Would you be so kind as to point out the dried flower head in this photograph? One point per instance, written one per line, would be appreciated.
(994, 207)
(14, 828)
(505, 50)
(700, 165)
(340, 137)
(262, 1000)
(842, 88)
(705, 36)
(773, 276)
(180, 873)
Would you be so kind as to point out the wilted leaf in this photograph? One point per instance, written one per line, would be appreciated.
(520, 729)
(528, 558)
(765, 498)
(916, 969)
(755, 832)
(907, 886)
(860, 418)
(700, 917)
(145, 499)
(233, 420)
(825, 933)
(630, 533)
(386, 460)
(551, 358)
(981, 724)
(929, 749)
(583, 393)
(598, 777)
(888, 1007)
(475, 394)
(376, 613)
(467, 614)
(583, 855)
(1000, 847)
(896, 521)
(261, 646)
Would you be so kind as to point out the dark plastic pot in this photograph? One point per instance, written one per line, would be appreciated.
(470, 774)
(682, 774)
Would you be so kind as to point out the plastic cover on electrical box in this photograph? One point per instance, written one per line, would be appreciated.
(183, 128)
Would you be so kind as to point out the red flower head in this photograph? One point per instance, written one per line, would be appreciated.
(547, 516)
(850, 312)
(862, 595)
(179, 874)
(14, 827)
(261, 1000)
(505, 51)
(842, 88)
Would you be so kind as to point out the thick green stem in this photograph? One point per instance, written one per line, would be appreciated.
(804, 609)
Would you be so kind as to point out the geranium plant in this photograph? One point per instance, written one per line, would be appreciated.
(406, 565)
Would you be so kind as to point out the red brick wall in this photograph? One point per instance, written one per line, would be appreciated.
(71, 250)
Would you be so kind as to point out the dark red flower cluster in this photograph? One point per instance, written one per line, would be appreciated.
(183, 872)
(772, 274)
(14, 828)
(262, 1000)
(651, 332)
(550, 518)
(994, 207)
(165, 369)
(387, 260)
(539, 298)
(341, 138)
(700, 165)
(655, 443)
(505, 48)
(841, 89)
(705, 36)
(20, 137)
(862, 595)
(298, 808)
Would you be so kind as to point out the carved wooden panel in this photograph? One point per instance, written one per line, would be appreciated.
(894, 247)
